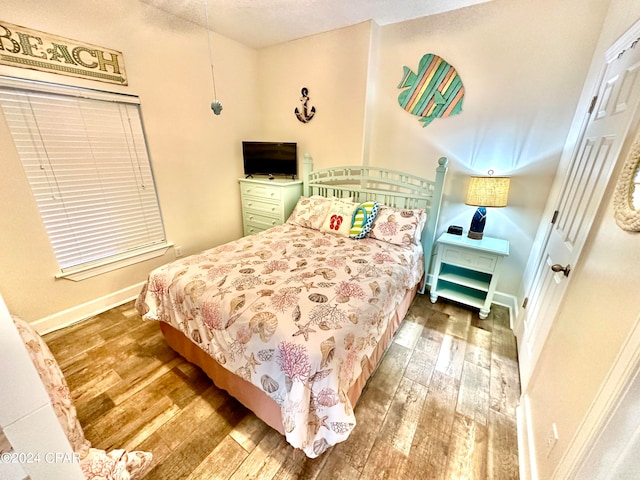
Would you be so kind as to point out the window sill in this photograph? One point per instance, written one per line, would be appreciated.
(93, 270)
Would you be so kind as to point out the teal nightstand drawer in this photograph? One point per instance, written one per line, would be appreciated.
(469, 258)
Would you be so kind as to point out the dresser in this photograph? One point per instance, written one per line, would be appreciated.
(467, 270)
(267, 203)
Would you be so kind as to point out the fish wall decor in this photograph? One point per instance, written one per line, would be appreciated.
(435, 91)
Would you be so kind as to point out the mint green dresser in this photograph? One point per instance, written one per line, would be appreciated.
(267, 203)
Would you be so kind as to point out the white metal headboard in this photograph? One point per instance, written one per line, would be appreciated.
(389, 187)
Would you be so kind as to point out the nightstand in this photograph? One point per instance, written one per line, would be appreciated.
(267, 203)
(467, 270)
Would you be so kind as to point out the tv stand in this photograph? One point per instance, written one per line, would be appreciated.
(271, 177)
(248, 175)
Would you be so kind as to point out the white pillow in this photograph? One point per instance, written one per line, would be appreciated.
(339, 217)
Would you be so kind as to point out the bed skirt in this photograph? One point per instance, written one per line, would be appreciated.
(255, 399)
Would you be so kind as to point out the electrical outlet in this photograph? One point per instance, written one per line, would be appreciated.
(552, 438)
(178, 251)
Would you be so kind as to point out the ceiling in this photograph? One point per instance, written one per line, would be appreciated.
(261, 23)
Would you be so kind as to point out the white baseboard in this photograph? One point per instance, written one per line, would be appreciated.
(509, 301)
(86, 310)
(526, 443)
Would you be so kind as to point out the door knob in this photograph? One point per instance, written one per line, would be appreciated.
(559, 268)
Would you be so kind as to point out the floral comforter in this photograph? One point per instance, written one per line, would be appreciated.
(292, 310)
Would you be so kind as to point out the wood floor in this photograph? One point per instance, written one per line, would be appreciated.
(440, 406)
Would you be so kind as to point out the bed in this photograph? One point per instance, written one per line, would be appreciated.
(293, 320)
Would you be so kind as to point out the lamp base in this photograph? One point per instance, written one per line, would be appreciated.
(477, 224)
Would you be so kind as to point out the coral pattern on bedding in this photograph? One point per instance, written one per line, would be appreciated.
(292, 310)
(399, 225)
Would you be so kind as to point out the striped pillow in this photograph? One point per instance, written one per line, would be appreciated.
(363, 219)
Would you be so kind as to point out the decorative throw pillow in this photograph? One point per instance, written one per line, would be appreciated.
(423, 221)
(55, 384)
(310, 212)
(398, 226)
(96, 464)
(363, 219)
(338, 220)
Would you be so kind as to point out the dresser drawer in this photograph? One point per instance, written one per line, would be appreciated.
(469, 258)
(267, 203)
(261, 191)
(262, 207)
(253, 229)
(260, 221)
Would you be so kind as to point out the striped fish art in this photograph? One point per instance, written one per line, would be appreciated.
(436, 91)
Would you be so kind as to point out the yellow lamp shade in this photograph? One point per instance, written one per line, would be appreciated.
(488, 191)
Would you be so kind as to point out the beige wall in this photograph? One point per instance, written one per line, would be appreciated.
(196, 155)
(600, 307)
(333, 66)
(523, 65)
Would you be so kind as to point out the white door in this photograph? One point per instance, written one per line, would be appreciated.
(611, 116)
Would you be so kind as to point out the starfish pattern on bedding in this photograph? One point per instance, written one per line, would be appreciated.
(304, 330)
(252, 363)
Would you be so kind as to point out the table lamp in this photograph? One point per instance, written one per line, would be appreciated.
(485, 192)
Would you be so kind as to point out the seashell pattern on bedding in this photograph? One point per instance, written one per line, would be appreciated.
(292, 310)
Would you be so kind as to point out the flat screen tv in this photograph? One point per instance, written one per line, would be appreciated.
(270, 158)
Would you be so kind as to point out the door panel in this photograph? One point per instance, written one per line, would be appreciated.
(579, 200)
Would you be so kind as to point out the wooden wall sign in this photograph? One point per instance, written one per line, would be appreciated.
(27, 48)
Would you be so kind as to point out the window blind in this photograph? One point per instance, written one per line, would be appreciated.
(87, 163)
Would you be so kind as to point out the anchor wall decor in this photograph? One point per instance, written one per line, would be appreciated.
(305, 115)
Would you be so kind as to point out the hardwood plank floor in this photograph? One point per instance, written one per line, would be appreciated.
(441, 404)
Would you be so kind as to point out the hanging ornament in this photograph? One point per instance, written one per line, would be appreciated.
(216, 106)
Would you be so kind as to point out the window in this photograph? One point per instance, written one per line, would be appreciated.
(85, 156)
